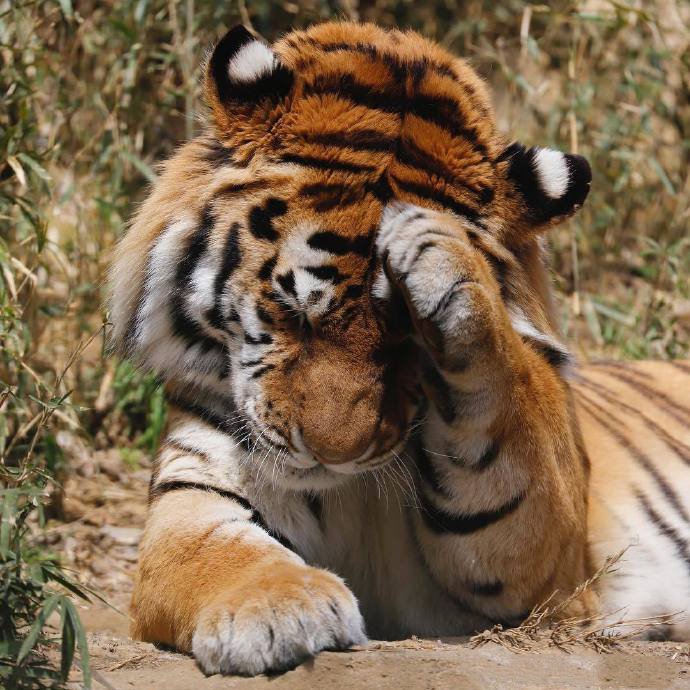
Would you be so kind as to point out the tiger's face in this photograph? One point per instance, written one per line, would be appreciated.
(263, 282)
(321, 368)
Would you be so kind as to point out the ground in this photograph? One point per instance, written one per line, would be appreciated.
(104, 510)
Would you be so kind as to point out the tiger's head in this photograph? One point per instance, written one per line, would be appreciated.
(249, 279)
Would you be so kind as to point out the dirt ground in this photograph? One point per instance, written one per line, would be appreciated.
(105, 508)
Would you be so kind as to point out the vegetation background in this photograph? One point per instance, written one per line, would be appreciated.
(94, 93)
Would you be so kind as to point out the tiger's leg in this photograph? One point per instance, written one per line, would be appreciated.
(503, 488)
(212, 579)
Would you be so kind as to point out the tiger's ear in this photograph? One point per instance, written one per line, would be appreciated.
(549, 185)
(242, 72)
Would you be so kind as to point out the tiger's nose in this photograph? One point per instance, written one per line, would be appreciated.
(335, 450)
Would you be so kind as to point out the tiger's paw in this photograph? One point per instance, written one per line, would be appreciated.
(282, 620)
(449, 290)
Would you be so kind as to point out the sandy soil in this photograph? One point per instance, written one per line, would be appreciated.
(105, 506)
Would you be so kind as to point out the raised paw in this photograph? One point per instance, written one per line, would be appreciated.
(277, 621)
(448, 287)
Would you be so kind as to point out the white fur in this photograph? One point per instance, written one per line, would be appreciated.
(271, 632)
(251, 62)
(552, 172)
(157, 347)
(381, 289)
(295, 255)
(525, 327)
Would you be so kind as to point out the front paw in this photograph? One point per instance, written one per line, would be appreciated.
(448, 287)
(283, 618)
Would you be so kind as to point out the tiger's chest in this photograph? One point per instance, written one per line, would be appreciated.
(365, 534)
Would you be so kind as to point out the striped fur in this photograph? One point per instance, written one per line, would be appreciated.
(342, 284)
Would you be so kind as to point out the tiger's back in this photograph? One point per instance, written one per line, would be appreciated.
(634, 418)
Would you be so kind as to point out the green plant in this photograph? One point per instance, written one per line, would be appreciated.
(28, 578)
(32, 582)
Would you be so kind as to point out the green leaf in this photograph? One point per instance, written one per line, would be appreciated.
(8, 505)
(49, 605)
(68, 643)
(66, 7)
(145, 169)
(55, 575)
(81, 641)
(35, 166)
(658, 169)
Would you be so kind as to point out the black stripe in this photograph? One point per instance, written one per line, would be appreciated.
(266, 270)
(208, 416)
(445, 300)
(428, 470)
(487, 459)
(184, 326)
(681, 366)
(441, 198)
(666, 489)
(442, 522)
(499, 267)
(352, 291)
(315, 506)
(263, 339)
(667, 530)
(260, 372)
(261, 219)
(179, 485)
(487, 589)
(326, 164)
(287, 282)
(263, 315)
(442, 396)
(553, 356)
(330, 273)
(361, 140)
(624, 366)
(438, 110)
(173, 443)
(413, 156)
(421, 250)
(669, 405)
(345, 86)
(445, 114)
(328, 196)
(256, 517)
(337, 244)
(401, 67)
(232, 189)
(680, 448)
(232, 256)
(217, 154)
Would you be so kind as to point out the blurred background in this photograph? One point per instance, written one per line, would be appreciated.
(93, 94)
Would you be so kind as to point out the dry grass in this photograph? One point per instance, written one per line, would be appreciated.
(547, 626)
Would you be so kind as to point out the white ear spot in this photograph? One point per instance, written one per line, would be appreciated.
(251, 62)
(552, 171)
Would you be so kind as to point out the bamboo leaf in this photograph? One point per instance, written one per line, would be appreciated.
(145, 169)
(68, 643)
(30, 640)
(18, 170)
(83, 644)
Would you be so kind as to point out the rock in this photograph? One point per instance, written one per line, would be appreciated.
(124, 536)
(73, 509)
(79, 456)
(110, 463)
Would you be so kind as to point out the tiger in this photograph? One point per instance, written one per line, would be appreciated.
(374, 427)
